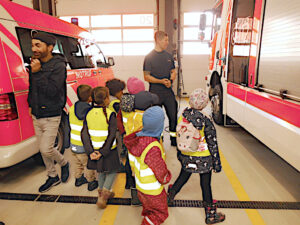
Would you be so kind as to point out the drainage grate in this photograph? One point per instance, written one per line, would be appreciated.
(127, 201)
(119, 201)
(240, 204)
(47, 198)
(18, 196)
(77, 199)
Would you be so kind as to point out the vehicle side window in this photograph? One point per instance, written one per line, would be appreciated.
(70, 47)
(24, 36)
(58, 47)
(74, 53)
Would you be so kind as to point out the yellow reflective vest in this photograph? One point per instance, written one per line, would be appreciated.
(98, 127)
(111, 105)
(203, 143)
(134, 121)
(145, 179)
(76, 127)
(125, 116)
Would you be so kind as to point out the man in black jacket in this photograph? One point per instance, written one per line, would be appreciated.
(46, 99)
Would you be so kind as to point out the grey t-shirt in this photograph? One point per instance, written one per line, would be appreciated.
(159, 64)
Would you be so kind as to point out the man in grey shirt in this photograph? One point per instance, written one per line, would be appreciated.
(159, 71)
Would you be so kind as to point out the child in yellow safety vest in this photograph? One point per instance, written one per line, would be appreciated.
(77, 114)
(147, 160)
(99, 140)
(198, 153)
(132, 108)
(116, 88)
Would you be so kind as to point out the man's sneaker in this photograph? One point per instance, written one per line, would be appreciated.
(65, 173)
(173, 141)
(80, 181)
(50, 182)
(92, 185)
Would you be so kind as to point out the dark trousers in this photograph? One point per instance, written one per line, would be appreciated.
(129, 178)
(205, 180)
(168, 100)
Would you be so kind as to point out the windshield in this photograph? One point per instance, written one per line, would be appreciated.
(92, 53)
(217, 19)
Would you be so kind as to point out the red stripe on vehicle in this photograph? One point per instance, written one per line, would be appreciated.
(236, 91)
(69, 102)
(287, 111)
(9, 35)
(282, 109)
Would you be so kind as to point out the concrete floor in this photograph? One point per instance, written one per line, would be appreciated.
(251, 172)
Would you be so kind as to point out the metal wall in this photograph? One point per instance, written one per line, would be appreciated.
(279, 66)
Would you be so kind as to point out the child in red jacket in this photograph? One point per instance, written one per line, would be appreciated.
(147, 160)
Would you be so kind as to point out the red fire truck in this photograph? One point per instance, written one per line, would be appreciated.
(254, 71)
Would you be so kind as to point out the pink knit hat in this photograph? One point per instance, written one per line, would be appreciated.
(135, 85)
(198, 99)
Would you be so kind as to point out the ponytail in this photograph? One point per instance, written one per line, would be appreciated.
(105, 113)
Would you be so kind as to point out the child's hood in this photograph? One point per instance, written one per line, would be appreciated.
(136, 145)
(81, 109)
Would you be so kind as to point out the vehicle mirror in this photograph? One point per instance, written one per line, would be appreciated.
(99, 63)
(111, 61)
(202, 24)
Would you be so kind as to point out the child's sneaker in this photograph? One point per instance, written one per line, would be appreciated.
(92, 185)
(80, 181)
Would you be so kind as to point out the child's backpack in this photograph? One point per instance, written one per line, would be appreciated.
(189, 138)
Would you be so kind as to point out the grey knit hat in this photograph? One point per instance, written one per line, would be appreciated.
(49, 39)
(144, 100)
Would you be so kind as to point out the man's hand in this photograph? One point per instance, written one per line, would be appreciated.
(30, 110)
(35, 65)
(166, 82)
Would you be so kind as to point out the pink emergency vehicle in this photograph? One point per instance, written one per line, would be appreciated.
(86, 65)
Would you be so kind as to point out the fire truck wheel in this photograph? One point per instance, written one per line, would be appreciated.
(217, 105)
(58, 145)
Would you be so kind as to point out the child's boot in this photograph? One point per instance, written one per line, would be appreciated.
(130, 182)
(212, 216)
(171, 194)
(105, 195)
(100, 198)
(134, 197)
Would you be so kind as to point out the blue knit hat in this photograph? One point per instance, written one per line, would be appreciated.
(153, 122)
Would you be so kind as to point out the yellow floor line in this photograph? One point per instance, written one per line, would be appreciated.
(110, 213)
(253, 214)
